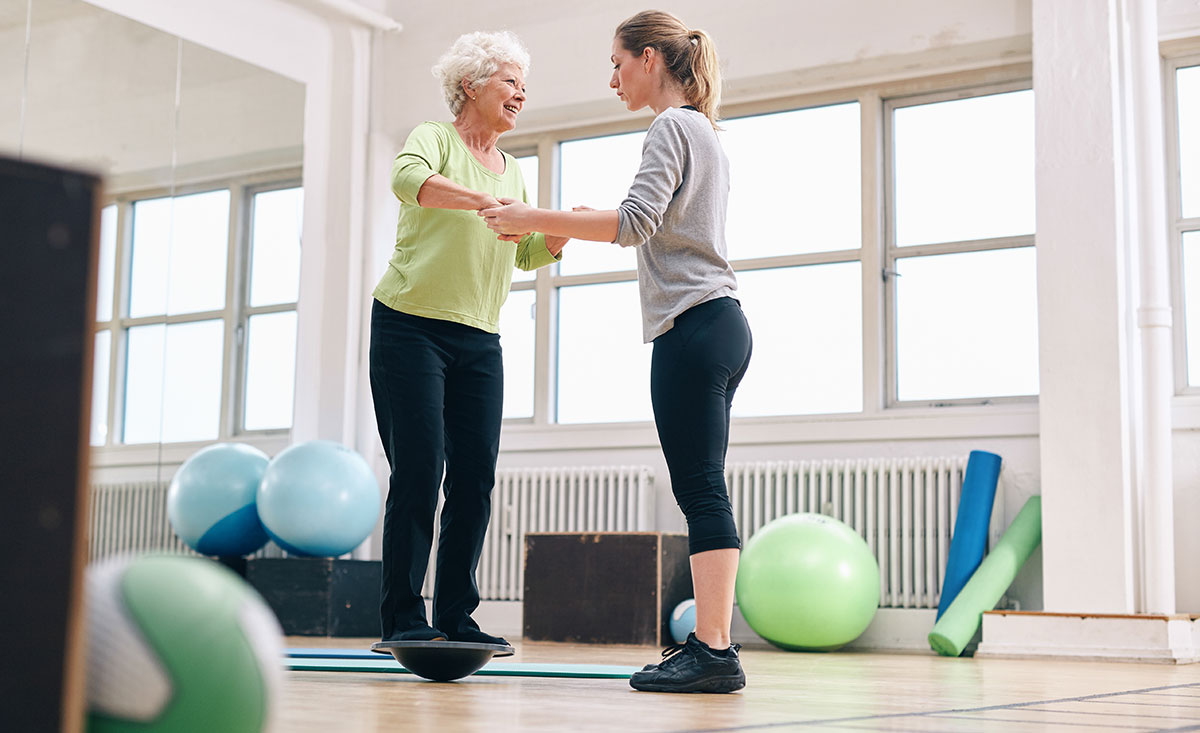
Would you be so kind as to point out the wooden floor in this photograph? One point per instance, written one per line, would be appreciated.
(785, 691)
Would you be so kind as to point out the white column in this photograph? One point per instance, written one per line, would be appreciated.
(1104, 303)
(331, 277)
(1087, 402)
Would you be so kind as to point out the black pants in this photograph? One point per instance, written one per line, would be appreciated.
(695, 369)
(438, 389)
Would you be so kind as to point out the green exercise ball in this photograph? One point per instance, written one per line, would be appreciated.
(179, 644)
(808, 582)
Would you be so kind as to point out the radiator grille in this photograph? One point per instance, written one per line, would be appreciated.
(903, 508)
(580, 499)
(132, 518)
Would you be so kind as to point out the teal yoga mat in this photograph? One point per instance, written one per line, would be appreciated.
(954, 629)
(333, 653)
(379, 663)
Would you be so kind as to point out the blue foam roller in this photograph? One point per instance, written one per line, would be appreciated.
(971, 524)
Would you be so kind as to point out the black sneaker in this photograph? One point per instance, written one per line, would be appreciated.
(692, 667)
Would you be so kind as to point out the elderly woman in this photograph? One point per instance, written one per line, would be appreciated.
(436, 372)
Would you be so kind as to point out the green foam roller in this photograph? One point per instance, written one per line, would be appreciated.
(956, 627)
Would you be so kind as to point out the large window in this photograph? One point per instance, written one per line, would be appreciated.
(1185, 205)
(793, 234)
(196, 314)
(885, 257)
(960, 251)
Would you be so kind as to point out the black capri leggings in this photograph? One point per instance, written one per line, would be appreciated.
(695, 369)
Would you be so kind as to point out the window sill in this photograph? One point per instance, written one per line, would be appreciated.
(173, 454)
(901, 423)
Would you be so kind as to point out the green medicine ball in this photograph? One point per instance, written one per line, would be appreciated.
(808, 582)
(178, 644)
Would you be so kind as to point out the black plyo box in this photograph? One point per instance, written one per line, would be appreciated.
(604, 587)
(319, 596)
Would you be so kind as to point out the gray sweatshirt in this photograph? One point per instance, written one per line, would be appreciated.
(675, 216)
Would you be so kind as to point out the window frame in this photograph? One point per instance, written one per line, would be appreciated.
(1178, 226)
(524, 151)
(893, 252)
(234, 313)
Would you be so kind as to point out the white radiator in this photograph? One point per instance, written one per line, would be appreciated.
(904, 508)
(131, 518)
(580, 499)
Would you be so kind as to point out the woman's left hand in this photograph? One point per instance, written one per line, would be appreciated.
(509, 219)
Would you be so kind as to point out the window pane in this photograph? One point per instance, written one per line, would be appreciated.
(275, 246)
(270, 370)
(964, 169)
(597, 172)
(1191, 300)
(603, 366)
(517, 335)
(807, 326)
(1189, 139)
(966, 325)
(179, 248)
(802, 196)
(100, 358)
(173, 382)
(529, 171)
(107, 262)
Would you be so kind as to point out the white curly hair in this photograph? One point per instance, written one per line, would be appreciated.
(475, 57)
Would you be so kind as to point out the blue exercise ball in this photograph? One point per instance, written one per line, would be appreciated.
(318, 499)
(211, 500)
(683, 620)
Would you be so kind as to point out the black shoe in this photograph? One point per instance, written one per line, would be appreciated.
(420, 633)
(692, 667)
(475, 636)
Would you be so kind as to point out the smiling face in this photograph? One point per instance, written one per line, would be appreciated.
(499, 99)
(630, 76)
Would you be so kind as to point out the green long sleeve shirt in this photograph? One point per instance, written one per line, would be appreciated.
(447, 264)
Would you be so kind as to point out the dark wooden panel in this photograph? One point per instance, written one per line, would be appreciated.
(354, 598)
(602, 588)
(319, 596)
(47, 294)
(676, 579)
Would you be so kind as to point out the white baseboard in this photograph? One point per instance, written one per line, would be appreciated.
(892, 629)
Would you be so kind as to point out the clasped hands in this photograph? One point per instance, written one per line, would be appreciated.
(507, 219)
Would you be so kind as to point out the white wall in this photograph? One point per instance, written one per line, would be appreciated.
(570, 42)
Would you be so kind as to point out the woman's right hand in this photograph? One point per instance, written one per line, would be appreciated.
(495, 203)
(508, 219)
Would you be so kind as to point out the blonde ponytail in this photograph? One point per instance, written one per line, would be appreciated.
(689, 55)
